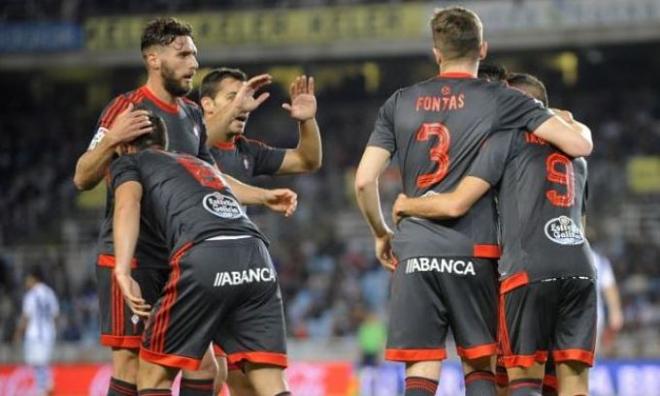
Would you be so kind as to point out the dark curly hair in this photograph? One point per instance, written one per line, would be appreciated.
(157, 137)
(162, 31)
(211, 82)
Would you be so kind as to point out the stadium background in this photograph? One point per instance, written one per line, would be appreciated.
(61, 61)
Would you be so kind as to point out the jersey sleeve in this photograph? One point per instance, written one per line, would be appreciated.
(517, 110)
(267, 159)
(122, 170)
(115, 107)
(493, 157)
(203, 152)
(383, 133)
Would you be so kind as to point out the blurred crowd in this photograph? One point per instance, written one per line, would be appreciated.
(329, 277)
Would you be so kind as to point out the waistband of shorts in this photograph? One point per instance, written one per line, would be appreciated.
(227, 237)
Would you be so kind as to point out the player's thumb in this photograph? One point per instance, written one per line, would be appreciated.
(286, 106)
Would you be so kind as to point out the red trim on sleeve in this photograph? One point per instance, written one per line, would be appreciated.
(127, 342)
(167, 107)
(276, 359)
(577, 355)
(168, 360)
(415, 355)
(457, 75)
(477, 351)
(486, 251)
(513, 282)
(117, 106)
(108, 261)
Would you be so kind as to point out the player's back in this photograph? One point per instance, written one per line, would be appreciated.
(186, 134)
(435, 129)
(185, 198)
(542, 198)
(41, 308)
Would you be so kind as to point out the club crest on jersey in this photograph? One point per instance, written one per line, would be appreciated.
(563, 230)
(222, 206)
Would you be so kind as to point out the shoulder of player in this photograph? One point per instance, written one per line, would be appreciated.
(118, 104)
(244, 143)
(191, 104)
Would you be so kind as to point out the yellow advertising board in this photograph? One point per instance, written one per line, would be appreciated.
(275, 27)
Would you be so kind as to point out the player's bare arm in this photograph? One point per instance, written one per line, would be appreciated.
(573, 138)
(373, 163)
(126, 228)
(307, 156)
(280, 200)
(92, 165)
(217, 124)
(441, 206)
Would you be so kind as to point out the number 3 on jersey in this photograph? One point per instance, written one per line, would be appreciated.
(565, 177)
(438, 153)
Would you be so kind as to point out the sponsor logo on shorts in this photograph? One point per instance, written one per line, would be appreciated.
(222, 206)
(235, 278)
(450, 266)
(564, 231)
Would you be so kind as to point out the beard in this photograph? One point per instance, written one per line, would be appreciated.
(175, 87)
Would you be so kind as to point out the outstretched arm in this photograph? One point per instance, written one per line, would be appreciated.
(373, 163)
(126, 228)
(307, 156)
(442, 206)
(280, 200)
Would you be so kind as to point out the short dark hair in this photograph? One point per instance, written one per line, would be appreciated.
(492, 72)
(457, 33)
(530, 85)
(35, 272)
(162, 31)
(157, 137)
(211, 82)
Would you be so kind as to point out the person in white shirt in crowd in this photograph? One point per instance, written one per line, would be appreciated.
(608, 297)
(37, 329)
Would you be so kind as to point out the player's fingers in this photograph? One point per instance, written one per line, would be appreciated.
(127, 110)
(259, 81)
(262, 98)
(286, 107)
(310, 86)
(302, 84)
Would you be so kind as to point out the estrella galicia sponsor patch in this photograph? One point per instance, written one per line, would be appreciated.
(222, 206)
(564, 231)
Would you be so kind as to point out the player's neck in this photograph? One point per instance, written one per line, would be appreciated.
(157, 88)
(470, 68)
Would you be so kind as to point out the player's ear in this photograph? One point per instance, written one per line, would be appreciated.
(483, 50)
(207, 105)
(152, 59)
(437, 55)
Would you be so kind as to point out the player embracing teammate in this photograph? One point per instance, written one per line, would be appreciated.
(445, 273)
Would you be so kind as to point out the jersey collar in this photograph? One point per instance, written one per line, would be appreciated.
(456, 75)
(227, 146)
(168, 107)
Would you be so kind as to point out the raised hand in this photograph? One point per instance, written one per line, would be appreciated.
(245, 100)
(128, 125)
(303, 102)
(133, 295)
(281, 200)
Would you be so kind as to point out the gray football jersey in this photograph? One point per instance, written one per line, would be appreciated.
(246, 158)
(542, 196)
(186, 133)
(184, 199)
(434, 129)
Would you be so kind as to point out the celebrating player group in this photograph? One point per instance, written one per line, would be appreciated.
(488, 240)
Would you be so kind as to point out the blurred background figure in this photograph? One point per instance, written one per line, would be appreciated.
(37, 329)
(610, 314)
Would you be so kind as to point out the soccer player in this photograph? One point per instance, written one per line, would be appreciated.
(221, 97)
(547, 289)
(222, 286)
(245, 158)
(170, 57)
(38, 330)
(447, 275)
